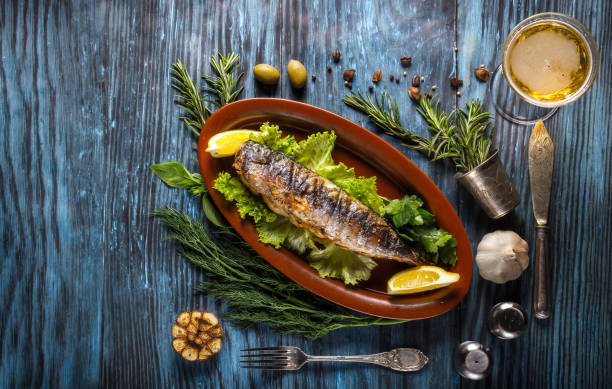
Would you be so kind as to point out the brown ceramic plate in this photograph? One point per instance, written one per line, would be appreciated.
(370, 156)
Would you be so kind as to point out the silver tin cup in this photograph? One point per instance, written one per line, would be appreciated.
(491, 187)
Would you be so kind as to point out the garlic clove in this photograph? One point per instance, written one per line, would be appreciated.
(178, 332)
(179, 345)
(210, 318)
(183, 319)
(190, 353)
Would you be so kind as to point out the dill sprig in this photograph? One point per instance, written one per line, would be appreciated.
(188, 98)
(464, 135)
(254, 291)
(223, 85)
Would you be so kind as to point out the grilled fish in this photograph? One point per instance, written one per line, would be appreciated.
(313, 202)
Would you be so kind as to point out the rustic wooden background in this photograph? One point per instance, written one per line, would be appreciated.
(89, 291)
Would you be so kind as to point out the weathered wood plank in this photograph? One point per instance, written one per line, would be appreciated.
(52, 128)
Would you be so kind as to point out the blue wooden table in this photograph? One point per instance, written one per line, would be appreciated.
(89, 291)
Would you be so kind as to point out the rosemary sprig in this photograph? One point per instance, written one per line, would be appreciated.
(382, 112)
(223, 86)
(188, 98)
(221, 89)
(464, 136)
(254, 291)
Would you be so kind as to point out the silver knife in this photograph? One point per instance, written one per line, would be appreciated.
(541, 160)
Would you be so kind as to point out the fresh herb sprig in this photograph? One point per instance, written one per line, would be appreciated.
(221, 89)
(464, 136)
(223, 85)
(188, 98)
(254, 291)
(382, 112)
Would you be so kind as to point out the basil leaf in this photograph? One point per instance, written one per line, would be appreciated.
(211, 212)
(175, 175)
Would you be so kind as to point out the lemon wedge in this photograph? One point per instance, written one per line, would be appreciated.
(420, 279)
(226, 143)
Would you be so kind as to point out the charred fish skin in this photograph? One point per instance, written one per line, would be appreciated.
(313, 202)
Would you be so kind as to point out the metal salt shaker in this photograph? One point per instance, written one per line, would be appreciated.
(472, 360)
(507, 320)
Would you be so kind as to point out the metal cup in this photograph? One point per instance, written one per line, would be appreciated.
(491, 187)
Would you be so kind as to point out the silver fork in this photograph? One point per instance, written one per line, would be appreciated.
(293, 358)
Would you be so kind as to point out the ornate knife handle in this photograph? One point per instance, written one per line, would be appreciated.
(541, 284)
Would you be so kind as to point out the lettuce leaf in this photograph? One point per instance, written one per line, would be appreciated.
(315, 151)
(339, 174)
(234, 190)
(329, 260)
(333, 261)
(274, 233)
(299, 240)
(270, 135)
(364, 189)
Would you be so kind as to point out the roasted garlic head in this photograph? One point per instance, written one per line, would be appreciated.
(197, 335)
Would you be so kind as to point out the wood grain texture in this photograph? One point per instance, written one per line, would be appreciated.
(88, 293)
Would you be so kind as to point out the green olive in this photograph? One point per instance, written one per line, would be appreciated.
(266, 74)
(297, 73)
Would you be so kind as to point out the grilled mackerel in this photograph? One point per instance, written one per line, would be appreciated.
(313, 202)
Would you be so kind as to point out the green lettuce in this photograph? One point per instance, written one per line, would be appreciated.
(299, 240)
(234, 190)
(333, 261)
(274, 233)
(364, 189)
(315, 151)
(270, 135)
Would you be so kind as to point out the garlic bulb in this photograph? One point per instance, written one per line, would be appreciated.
(197, 335)
(502, 256)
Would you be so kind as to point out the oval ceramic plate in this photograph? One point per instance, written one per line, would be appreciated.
(370, 156)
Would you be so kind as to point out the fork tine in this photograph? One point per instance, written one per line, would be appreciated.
(279, 348)
(269, 355)
(276, 361)
(272, 367)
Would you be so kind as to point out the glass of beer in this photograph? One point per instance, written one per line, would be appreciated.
(548, 60)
